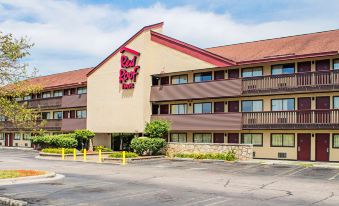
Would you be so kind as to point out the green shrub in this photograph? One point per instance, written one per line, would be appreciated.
(229, 156)
(157, 128)
(57, 150)
(102, 148)
(127, 155)
(147, 146)
(56, 141)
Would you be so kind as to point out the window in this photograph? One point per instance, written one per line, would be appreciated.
(58, 93)
(202, 138)
(202, 77)
(335, 64)
(252, 72)
(26, 136)
(45, 115)
(255, 139)
(219, 75)
(179, 79)
(335, 140)
(283, 69)
(282, 140)
(57, 115)
(28, 97)
(178, 108)
(164, 109)
(2, 136)
(335, 102)
(2, 118)
(82, 90)
(203, 108)
(282, 104)
(81, 114)
(181, 137)
(164, 80)
(18, 99)
(46, 94)
(252, 106)
(17, 136)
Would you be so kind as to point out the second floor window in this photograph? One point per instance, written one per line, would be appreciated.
(335, 102)
(45, 115)
(203, 108)
(178, 108)
(251, 106)
(336, 64)
(202, 138)
(28, 97)
(57, 93)
(2, 136)
(282, 104)
(81, 114)
(2, 118)
(178, 137)
(179, 79)
(202, 77)
(46, 94)
(252, 72)
(283, 69)
(82, 90)
(57, 115)
(17, 136)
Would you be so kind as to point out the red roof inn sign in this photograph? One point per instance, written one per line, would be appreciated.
(129, 68)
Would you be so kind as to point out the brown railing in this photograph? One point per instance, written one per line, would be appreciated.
(73, 124)
(312, 119)
(70, 101)
(320, 80)
(45, 103)
(50, 125)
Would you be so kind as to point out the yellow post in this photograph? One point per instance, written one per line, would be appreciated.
(100, 157)
(63, 153)
(123, 158)
(74, 154)
(84, 154)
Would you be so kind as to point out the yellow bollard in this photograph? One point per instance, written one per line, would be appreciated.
(123, 158)
(74, 154)
(84, 154)
(63, 153)
(100, 157)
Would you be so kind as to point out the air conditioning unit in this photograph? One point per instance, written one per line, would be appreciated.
(282, 154)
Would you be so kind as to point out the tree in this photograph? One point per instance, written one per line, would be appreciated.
(157, 128)
(84, 137)
(13, 83)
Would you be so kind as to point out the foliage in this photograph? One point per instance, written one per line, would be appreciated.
(102, 148)
(119, 155)
(5, 174)
(83, 135)
(157, 128)
(57, 150)
(229, 156)
(147, 146)
(56, 141)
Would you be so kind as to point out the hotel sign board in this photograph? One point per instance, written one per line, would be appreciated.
(129, 68)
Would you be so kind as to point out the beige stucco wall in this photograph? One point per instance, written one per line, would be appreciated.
(111, 109)
(102, 139)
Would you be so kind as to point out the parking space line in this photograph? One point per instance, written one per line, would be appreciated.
(334, 176)
(216, 203)
(201, 201)
(297, 171)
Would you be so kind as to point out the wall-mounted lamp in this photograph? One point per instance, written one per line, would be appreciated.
(313, 98)
(312, 135)
(226, 102)
(312, 62)
(190, 104)
(226, 71)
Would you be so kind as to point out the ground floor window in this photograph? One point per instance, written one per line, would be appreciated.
(255, 139)
(2, 136)
(282, 140)
(17, 136)
(178, 137)
(26, 136)
(202, 138)
(336, 141)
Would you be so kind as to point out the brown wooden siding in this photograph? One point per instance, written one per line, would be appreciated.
(49, 125)
(74, 101)
(210, 89)
(45, 103)
(73, 124)
(203, 122)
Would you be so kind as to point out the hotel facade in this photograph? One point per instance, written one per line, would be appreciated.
(281, 95)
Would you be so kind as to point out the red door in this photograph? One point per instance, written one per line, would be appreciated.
(218, 137)
(323, 75)
(322, 146)
(304, 107)
(233, 106)
(233, 138)
(304, 147)
(322, 114)
(8, 140)
(304, 77)
(219, 107)
(233, 73)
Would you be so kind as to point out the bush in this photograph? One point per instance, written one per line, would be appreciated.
(56, 141)
(102, 148)
(157, 128)
(119, 155)
(57, 150)
(147, 146)
(83, 135)
(229, 156)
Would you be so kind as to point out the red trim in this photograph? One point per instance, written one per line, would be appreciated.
(127, 42)
(122, 50)
(191, 50)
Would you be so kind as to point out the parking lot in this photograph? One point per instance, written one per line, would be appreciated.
(166, 182)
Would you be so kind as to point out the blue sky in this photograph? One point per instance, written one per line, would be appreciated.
(71, 34)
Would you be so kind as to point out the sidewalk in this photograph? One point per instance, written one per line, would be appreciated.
(333, 165)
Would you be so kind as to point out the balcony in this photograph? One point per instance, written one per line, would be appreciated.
(72, 101)
(49, 125)
(73, 124)
(297, 82)
(203, 122)
(53, 102)
(210, 89)
(312, 119)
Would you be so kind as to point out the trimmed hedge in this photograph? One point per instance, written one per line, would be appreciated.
(119, 155)
(147, 146)
(57, 150)
(229, 156)
(56, 141)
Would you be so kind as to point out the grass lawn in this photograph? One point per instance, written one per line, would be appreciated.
(5, 174)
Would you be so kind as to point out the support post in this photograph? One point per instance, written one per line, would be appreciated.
(74, 154)
(85, 154)
(123, 158)
(100, 156)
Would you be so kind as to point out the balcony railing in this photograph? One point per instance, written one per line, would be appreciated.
(49, 125)
(45, 103)
(73, 124)
(311, 119)
(320, 80)
(70, 101)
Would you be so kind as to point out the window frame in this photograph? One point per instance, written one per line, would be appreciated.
(259, 67)
(171, 111)
(333, 141)
(47, 115)
(58, 91)
(282, 142)
(203, 138)
(333, 64)
(170, 138)
(202, 107)
(282, 99)
(201, 75)
(215, 74)
(15, 136)
(49, 96)
(262, 139)
(294, 67)
(179, 75)
(84, 111)
(2, 136)
(81, 88)
(333, 101)
(61, 112)
(262, 104)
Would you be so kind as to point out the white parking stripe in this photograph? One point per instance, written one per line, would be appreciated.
(201, 201)
(216, 203)
(332, 178)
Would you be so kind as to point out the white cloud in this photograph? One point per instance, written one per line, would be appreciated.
(68, 35)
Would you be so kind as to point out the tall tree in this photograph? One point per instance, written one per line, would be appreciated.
(14, 73)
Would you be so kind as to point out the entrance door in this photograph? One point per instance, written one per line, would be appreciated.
(233, 138)
(8, 140)
(304, 107)
(323, 75)
(233, 106)
(323, 114)
(304, 77)
(304, 147)
(218, 137)
(322, 147)
(233, 73)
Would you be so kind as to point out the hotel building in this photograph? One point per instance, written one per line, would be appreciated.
(281, 95)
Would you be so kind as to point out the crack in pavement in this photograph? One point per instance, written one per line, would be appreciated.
(227, 183)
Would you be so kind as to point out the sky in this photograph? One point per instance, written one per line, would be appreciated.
(74, 34)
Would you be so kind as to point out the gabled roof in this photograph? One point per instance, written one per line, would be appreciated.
(326, 43)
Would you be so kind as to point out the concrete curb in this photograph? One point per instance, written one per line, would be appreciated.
(17, 148)
(11, 202)
(80, 161)
(33, 179)
(199, 160)
(329, 165)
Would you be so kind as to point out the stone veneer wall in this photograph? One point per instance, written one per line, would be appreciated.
(242, 151)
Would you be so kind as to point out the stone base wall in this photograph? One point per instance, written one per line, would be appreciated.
(242, 151)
